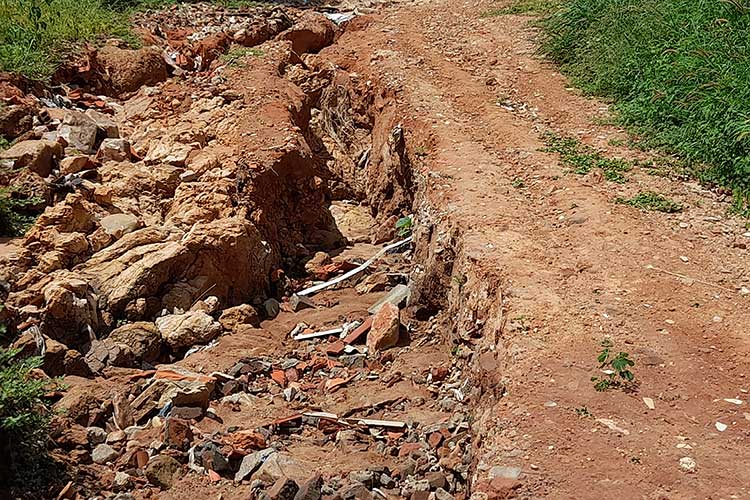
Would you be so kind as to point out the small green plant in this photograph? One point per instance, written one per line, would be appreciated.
(24, 420)
(616, 369)
(583, 412)
(421, 151)
(15, 217)
(235, 56)
(582, 159)
(649, 200)
(404, 226)
(4, 143)
(517, 183)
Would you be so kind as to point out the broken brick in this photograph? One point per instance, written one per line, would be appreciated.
(359, 331)
(279, 377)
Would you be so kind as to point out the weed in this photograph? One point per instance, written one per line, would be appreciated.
(582, 159)
(234, 57)
(583, 412)
(524, 7)
(4, 144)
(24, 419)
(421, 151)
(649, 200)
(404, 226)
(460, 280)
(616, 369)
(15, 217)
(676, 71)
(517, 183)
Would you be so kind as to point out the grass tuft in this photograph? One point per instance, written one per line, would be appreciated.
(519, 7)
(234, 57)
(678, 73)
(649, 200)
(582, 159)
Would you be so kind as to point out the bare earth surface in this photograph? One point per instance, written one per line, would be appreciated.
(573, 268)
(519, 270)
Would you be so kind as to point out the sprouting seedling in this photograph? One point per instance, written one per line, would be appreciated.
(404, 226)
(616, 368)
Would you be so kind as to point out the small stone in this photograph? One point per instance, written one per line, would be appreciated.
(212, 458)
(116, 437)
(365, 477)
(283, 489)
(103, 122)
(74, 164)
(384, 332)
(298, 303)
(119, 225)
(436, 480)
(96, 435)
(684, 258)
(104, 453)
(649, 403)
(441, 494)
(311, 489)
(187, 412)
(687, 464)
(114, 150)
(177, 433)
(189, 176)
(37, 156)
(271, 307)
(121, 482)
(250, 463)
(161, 471)
(505, 472)
(720, 426)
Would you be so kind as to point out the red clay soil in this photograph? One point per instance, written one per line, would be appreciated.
(554, 266)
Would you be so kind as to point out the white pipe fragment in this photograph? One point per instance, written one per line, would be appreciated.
(356, 270)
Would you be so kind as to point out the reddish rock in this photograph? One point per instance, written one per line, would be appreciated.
(408, 448)
(127, 70)
(312, 32)
(384, 332)
(498, 488)
(435, 439)
(177, 433)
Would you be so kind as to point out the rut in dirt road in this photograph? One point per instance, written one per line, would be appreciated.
(167, 280)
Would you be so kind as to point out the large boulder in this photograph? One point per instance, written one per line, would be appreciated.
(39, 156)
(312, 32)
(227, 255)
(127, 70)
(188, 329)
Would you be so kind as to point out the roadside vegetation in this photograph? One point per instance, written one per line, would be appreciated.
(35, 35)
(24, 424)
(649, 200)
(678, 74)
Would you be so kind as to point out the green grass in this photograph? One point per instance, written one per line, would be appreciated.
(523, 7)
(35, 35)
(15, 217)
(649, 200)
(678, 73)
(235, 56)
(582, 159)
(24, 420)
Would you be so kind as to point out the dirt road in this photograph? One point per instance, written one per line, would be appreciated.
(572, 268)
